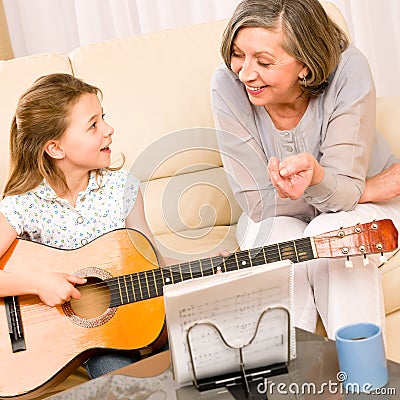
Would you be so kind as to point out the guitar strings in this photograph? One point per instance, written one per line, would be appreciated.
(258, 256)
(189, 271)
(113, 285)
(202, 267)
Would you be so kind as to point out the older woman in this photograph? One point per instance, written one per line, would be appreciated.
(295, 106)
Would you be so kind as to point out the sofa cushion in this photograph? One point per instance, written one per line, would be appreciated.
(194, 200)
(195, 244)
(391, 283)
(392, 336)
(185, 188)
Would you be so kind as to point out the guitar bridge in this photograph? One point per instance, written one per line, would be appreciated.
(14, 321)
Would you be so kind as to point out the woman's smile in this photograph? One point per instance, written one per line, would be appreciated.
(255, 90)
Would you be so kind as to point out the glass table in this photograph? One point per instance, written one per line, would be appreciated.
(314, 374)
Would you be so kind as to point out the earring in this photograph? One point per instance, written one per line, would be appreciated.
(304, 81)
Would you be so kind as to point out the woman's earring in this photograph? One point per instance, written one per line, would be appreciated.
(304, 81)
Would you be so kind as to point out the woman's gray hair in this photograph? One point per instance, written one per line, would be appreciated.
(309, 35)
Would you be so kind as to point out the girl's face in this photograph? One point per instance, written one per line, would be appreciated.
(268, 72)
(86, 142)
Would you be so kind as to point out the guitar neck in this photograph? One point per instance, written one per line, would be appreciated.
(150, 283)
(105, 261)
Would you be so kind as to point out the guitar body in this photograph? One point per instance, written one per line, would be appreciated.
(58, 339)
(121, 306)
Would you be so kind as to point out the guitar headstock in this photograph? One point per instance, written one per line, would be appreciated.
(373, 237)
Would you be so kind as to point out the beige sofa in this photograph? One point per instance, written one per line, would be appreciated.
(156, 95)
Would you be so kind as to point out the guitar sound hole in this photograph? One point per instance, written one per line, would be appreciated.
(95, 299)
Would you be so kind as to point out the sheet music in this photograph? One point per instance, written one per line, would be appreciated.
(233, 302)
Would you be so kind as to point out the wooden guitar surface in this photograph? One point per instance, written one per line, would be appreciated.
(55, 343)
(122, 304)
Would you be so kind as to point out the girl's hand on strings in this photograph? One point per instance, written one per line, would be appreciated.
(56, 288)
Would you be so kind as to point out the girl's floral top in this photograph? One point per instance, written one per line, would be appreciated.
(41, 216)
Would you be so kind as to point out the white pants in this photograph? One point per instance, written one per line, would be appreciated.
(340, 295)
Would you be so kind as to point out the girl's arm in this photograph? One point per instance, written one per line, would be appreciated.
(52, 287)
(136, 219)
(7, 234)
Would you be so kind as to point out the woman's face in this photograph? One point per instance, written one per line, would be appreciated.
(268, 72)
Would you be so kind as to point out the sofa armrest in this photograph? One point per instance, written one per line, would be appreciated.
(388, 121)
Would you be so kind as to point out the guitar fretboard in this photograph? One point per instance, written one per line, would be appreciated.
(150, 283)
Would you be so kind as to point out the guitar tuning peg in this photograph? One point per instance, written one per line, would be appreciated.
(383, 258)
(365, 260)
(348, 263)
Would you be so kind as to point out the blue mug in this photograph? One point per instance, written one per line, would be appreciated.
(361, 356)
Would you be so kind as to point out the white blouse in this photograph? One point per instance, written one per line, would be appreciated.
(338, 128)
(41, 216)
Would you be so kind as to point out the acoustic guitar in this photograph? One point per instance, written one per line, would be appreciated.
(122, 305)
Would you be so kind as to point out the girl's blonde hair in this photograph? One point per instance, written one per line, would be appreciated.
(42, 114)
(309, 35)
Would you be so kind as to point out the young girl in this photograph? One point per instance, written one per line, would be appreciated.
(61, 191)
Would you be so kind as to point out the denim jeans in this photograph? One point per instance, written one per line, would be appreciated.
(103, 363)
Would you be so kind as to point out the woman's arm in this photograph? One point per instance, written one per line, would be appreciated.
(348, 136)
(243, 157)
(383, 186)
(292, 176)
